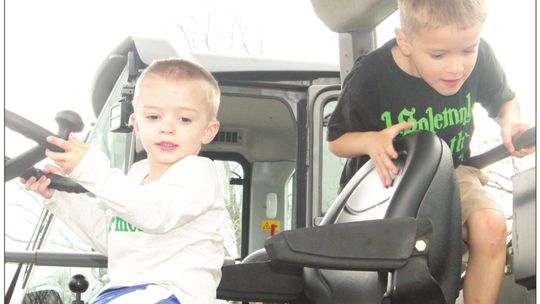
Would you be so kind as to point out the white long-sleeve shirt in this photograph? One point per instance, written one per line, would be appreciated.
(165, 232)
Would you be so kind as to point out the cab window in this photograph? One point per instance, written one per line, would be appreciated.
(115, 145)
(232, 176)
(331, 164)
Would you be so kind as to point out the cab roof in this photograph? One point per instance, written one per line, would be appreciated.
(224, 67)
(346, 16)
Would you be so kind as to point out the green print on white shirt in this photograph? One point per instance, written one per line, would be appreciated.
(120, 225)
(434, 122)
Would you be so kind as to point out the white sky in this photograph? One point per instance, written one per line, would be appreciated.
(53, 47)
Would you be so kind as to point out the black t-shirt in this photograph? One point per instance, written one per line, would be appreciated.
(378, 94)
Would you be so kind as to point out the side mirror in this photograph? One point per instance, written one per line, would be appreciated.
(119, 119)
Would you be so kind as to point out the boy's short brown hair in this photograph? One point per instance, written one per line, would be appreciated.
(176, 69)
(421, 14)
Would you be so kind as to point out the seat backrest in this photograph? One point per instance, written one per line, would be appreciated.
(425, 188)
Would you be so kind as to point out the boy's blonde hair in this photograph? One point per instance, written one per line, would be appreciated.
(430, 14)
(176, 69)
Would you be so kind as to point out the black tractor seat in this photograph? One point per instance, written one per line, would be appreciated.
(373, 245)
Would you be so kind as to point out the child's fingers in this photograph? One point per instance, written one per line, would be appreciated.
(509, 133)
(37, 185)
(509, 136)
(73, 139)
(529, 150)
(33, 186)
(44, 185)
(40, 186)
(57, 157)
(382, 170)
(29, 182)
(59, 142)
(51, 169)
(380, 173)
(507, 142)
(390, 151)
(389, 165)
(523, 152)
(47, 169)
(400, 127)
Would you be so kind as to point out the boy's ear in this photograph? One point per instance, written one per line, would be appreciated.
(134, 123)
(402, 42)
(210, 132)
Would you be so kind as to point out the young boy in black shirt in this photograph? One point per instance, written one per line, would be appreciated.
(429, 78)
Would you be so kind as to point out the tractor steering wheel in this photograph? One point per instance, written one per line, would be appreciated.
(22, 165)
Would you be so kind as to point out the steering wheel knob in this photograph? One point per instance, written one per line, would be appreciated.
(68, 121)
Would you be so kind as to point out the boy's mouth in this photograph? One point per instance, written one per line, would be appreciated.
(451, 83)
(166, 145)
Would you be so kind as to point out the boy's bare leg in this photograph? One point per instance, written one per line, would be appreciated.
(486, 236)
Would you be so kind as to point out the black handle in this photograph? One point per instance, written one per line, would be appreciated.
(22, 165)
(68, 121)
(525, 140)
(58, 182)
(13, 167)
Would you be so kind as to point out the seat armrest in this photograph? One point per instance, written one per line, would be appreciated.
(260, 282)
(377, 245)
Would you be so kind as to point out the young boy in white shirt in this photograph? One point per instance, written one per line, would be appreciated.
(160, 228)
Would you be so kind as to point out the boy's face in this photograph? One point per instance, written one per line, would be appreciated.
(172, 119)
(444, 57)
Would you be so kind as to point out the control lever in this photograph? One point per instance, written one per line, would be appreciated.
(78, 284)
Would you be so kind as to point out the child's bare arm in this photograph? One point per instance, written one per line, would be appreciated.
(378, 145)
(509, 119)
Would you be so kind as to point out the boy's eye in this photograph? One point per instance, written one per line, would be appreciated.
(436, 56)
(185, 119)
(152, 117)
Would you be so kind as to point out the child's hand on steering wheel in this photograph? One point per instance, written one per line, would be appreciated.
(74, 151)
(382, 152)
(511, 130)
(41, 185)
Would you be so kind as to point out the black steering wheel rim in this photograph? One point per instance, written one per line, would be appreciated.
(22, 165)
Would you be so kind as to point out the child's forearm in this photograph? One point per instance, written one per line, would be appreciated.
(509, 112)
(350, 144)
(354, 144)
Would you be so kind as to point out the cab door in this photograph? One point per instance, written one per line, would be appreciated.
(325, 169)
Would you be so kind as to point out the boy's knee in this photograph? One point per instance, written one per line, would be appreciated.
(487, 227)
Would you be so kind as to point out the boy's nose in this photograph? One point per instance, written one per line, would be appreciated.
(167, 128)
(454, 66)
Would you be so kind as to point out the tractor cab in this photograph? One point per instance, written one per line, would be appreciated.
(291, 237)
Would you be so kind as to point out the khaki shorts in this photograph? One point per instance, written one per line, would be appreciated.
(471, 183)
